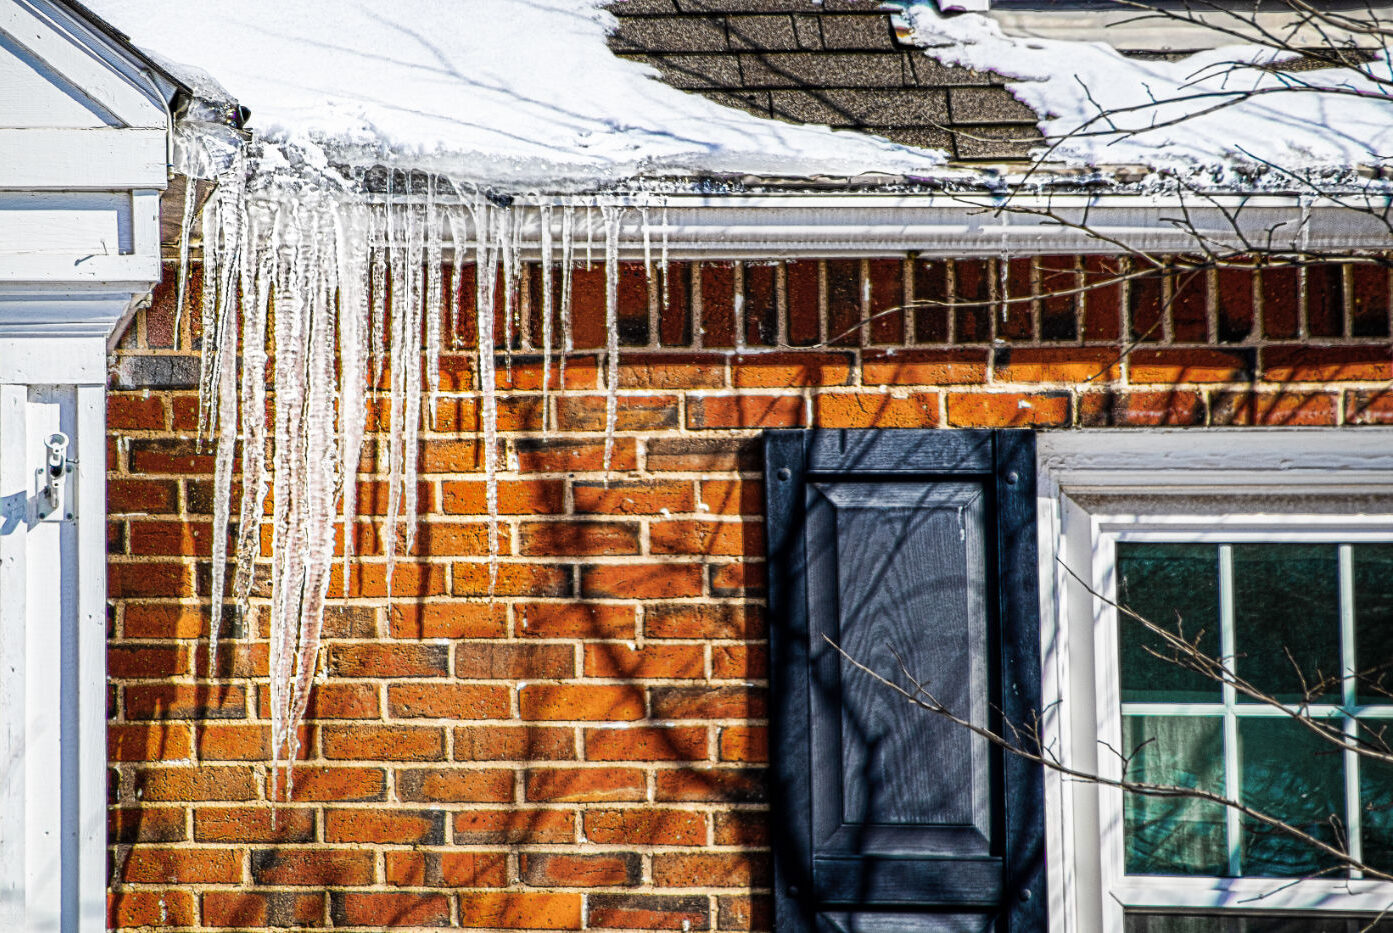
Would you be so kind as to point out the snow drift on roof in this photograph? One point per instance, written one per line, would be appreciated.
(1218, 109)
(511, 92)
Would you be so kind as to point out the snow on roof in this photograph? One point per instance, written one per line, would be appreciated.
(518, 92)
(1214, 111)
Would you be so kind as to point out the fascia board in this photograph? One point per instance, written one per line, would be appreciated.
(950, 226)
(109, 76)
(75, 159)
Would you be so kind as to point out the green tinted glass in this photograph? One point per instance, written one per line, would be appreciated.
(1373, 622)
(1176, 587)
(1175, 835)
(1376, 799)
(1286, 618)
(1288, 772)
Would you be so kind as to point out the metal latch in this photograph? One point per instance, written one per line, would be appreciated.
(57, 466)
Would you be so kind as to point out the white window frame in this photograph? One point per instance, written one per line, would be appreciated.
(1098, 487)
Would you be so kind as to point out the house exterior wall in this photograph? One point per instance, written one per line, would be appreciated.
(587, 749)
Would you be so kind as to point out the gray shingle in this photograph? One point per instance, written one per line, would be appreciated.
(809, 32)
(928, 72)
(642, 7)
(670, 34)
(857, 33)
(772, 32)
(999, 142)
(749, 6)
(987, 105)
(924, 137)
(878, 107)
(821, 70)
(755, 102)
(695, 72)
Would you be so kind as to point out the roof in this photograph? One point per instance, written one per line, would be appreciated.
(836, 62)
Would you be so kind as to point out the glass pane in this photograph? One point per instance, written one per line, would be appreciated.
(1376, 800)
(1373, 621)
(1176, 587)
(1175, 835)
(1290, 773)
(1286, 608)
(1176, 923)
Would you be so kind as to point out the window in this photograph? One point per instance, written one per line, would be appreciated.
(1274, 552)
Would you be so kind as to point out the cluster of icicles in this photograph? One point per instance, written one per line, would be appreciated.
(347, 286)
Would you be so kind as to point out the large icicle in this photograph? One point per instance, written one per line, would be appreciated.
(486, 276)
(434, 310)
(544, 244)
(611, 217)
(568, 259)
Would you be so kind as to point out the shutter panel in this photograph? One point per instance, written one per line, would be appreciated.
(914, 547)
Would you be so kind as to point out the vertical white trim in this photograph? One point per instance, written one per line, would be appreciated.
(1233, 825)
(14, 591)
(1349, 667)
(90, 492)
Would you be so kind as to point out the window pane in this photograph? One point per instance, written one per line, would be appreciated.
(1286, 608)
(1376, 802)
(1175, 835)
(1175, 586)
(1288, 772)
(1373, 621)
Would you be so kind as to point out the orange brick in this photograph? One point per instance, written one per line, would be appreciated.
(168, 782)
(744, 912)
(646, 743)
(181, 866)
(711, 785)
(384, 743)
(863, 410)
(707, 537)
(582, 785)
(513, 661)
(665, 661)
(126, 412)
(146, 824)
(258, 909)
(579, 702)
(648, 497)
(707, 702)
(648, 912)
(640, 581)
(744, 411)
(409, 579)
(1326, 364)
(378, 909)
(156, 620)
(141, 496)
(641, 826)
(573, 537)
(747, 828)
(745, 579)
(520, 910)
(779, 370)
(448, 620)
(1189, 365)
(591, 870)
(536, 580)
(448, 701)
(145, 661)
(149, 909)
(739, 662)
(529, 497)
(394, 826)
(1272, 408)
(1141, 409)
(456, 785)
(452, 455)
(732, 497)
(704, 620)
(449, 869)
(744, 743)
(379, 660)
(1007, 409)
(1057, 364)
(253, 824)
(514, 743)
(715, 870)
(632, 413)
(514, 826)
(312, 866)
(571, 455)
(170, 539)
(180, 701)
(338, 784)
(963, 366)
(146, 579)
(672, 371)
(574, 620)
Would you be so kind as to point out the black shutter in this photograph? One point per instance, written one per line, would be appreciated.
(889, 819)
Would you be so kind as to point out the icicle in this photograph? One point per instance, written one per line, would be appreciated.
(253, 396)
(667, 298)
(378, 246)
(589, 236)
(354, 250)
(508, 257)
(1003, 271)
(647, 229)
(568, 260)
(544, 246)
(413, 377)
(185, 229)
(486, 276)
(435, 312)
(611, 218)
(399, 315)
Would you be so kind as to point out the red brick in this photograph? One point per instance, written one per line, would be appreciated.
(1007, 409)
(514, 743)
(747, 828)
(146, 579)
(154, 620)
(650, 661)
(1280, 290)
(145, 661)
(732, 497)
(248, 909)
(535, 580)
(1326, 364)
(746, 579)
(574, 620)
(645, 827)
(1272, 408)
(451, 619)
(447, 869)
(1174, 366)
(391, 826)
(511, 661)
(334, 701)
(704, 620)
(410, 579)
(711, 870)
(456, 785)
(253, 824)
(236, 660)
(744, 411)
(739, 662)
(646, 743)
(709, 453)
(887, 298)
(640, 581)
(378, 660)
(229, 742)
(632, 413)
(181, 701)
(141, 496)
(451, 455)
(384, 743)
(508, 910)
(1141, 409)
(1057, 364)
(591, 870)
(780, 370)
(581, 538)
(744, 743)
(570, 702)
(581, 371)
(181, 866)
(317, 867)
(648, 912)
(572, 455)
(169, 908)
(169, 782)
(711, 785)
(1234, 305)
(1369, 406)
(377, 909)
(170, 456)
(707, 702)
(146, 824)
(338, 784)
(876, 410)
(648, 497)
(515, 497)
(515, 826)
(744, 912)
(584, 785)
(447, 701)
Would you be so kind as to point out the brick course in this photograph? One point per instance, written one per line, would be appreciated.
(587, 750)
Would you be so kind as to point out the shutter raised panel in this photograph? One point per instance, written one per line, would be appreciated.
(895, 545)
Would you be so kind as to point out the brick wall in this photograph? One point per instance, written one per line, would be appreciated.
(587, 750)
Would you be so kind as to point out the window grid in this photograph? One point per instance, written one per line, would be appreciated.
(1349, 710)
